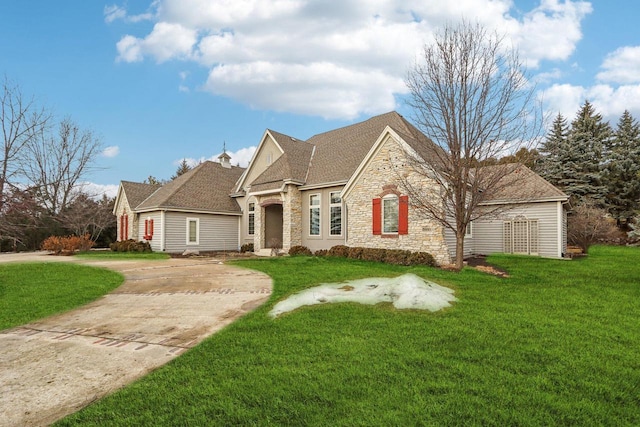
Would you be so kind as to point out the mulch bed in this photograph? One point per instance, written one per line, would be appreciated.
(479, 262)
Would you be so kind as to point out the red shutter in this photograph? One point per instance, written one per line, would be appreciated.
(403, 215)
(150, 228)
(121, 227)
(126, 227)
(377, 216)
(146, 229)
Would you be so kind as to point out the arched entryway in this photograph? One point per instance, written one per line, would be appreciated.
(273, 226)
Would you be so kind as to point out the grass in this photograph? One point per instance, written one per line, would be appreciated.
(31, 291)
(555, 344)
(109, 255)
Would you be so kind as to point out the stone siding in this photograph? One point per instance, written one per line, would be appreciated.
(291, 218)
(382, 170)
(125, 209)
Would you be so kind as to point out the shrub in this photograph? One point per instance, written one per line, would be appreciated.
(247, 247)
(422, 258)
(397, 256)
(339, 251)
(300, 250)
(588, 224)
(355, 252)
(68, 244)
(321, 252)
(130, 246)
(374, 254)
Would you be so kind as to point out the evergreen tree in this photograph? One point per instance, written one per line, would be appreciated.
(582, 163)
(183, 168)
(553, 149)
(622, 171)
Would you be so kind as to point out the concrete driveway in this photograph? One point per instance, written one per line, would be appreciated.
(55, 366)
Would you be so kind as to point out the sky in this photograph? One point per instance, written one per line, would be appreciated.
(165, 80)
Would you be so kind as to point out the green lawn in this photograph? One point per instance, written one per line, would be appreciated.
(555, 344)
(31, 291)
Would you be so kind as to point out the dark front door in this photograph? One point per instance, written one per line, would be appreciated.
(273, 226)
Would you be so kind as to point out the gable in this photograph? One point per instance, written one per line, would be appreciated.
(266, 154)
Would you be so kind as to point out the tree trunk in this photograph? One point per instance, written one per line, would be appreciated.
(459, 251)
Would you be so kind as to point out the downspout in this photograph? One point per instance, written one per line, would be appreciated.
(560, 217)
(162, 231)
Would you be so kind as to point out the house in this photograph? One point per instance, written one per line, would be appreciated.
(336, 188)
(192, 212)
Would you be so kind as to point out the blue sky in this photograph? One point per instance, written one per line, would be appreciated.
(163, 80)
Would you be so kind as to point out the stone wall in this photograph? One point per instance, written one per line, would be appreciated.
(382, 170)
(291, 218)
(125, 209)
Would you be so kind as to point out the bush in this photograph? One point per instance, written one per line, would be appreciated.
(397, 256)
(68, 244)
(588, 224)
(247, 247)
(355, 253)
(321, 252)
(374, 254)
(422, 258)
(339, 251)
(130, 246)
(300, 250)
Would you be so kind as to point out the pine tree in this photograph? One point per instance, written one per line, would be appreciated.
(622, 171)
(582, 164)
(183, 168)
(553, 149)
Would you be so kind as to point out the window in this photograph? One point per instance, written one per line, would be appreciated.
(468, 232)
(314, 215)
(335, 214)
(390, 215)
(148, 229)
(193, 231)
(252, 218)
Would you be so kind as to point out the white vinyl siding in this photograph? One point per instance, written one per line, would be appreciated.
(450, 239)
(156, 241)
(215, 232)
(488, 233)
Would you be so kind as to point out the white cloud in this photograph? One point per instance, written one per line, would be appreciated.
(621, 66)
(115, 12)
(98, 190)
(337, 58)
(608, 100)
(240, 157)
(166, 41)
(111, 151)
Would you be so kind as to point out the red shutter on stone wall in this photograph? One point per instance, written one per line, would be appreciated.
(126, 227)
(121, 227)
(403, 215)
(377, 216)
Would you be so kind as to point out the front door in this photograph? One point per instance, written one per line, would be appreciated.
(273, 226)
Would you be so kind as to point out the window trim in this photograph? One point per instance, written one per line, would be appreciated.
(251, 218)
(319, 208)
(197, 241)
(331, 206)
(468, 232)
(387, 198)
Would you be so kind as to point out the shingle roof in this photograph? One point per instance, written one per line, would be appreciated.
(339, 152)
(137, 192)
(206, 187)
(292, 165)
(523, 184)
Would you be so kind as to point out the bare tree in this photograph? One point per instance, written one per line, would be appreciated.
(470, 95)
(19, 215)
(57, 163)
(589, 224)
(21, 122)
(87, 216)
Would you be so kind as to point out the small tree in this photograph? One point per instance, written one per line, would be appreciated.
(183, 168)
(470, 95)
(588, 224)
